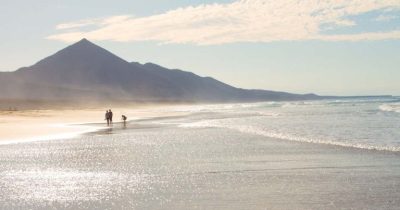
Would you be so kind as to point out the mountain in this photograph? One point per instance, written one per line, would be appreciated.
(85, 71)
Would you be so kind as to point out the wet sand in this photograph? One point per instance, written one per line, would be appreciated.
(28, 125)
(154, 164)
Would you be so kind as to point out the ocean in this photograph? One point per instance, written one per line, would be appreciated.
(326, 154)
(366, 123)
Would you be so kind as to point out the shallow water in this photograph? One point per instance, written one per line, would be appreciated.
(190, 162)
(367, 123)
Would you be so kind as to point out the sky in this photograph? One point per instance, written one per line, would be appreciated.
(328, 47)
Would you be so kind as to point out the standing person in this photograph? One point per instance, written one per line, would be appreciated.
(110, 114)
(124, 119)
(107, 117)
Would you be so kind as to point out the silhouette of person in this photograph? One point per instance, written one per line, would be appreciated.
(110, 114)
(107, 117)
(124, 119)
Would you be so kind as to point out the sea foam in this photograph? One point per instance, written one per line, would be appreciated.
(390, 107)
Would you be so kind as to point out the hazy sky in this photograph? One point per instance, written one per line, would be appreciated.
(338, 47)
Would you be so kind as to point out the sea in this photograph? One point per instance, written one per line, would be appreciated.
(322, 154)
(367, 123)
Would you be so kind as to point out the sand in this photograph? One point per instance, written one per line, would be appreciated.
(160, 164)
(170, 167)
(29, 125)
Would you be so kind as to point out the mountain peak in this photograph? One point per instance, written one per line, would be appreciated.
(85, 50)
(82, 56)
(84, 43)
(86, 70)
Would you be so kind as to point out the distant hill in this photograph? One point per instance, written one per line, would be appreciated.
(85, 71)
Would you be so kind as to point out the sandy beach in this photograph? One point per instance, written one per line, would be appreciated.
(157, 164)
(42, 124)
(200, 105)
(216, 156)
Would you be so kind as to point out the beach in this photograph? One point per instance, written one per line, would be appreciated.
(60, 122)
(200, 105)
(194, 158)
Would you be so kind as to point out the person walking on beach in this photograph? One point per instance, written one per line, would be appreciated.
(110, 115)
(107, 117)
(124, 119)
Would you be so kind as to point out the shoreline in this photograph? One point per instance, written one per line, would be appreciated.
(57, 124)
(54, 124)
(195, 171)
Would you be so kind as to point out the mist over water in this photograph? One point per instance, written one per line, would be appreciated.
(224, 156)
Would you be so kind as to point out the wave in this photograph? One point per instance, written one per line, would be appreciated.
(234, 107)
(390, 107)
(216, 107)
(284, 136)
(338, 102)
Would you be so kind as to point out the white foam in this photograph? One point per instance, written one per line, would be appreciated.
(217, 107)
(274, 134)
(390, 107)
(284, 136)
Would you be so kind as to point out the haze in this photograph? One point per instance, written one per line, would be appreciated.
(331, 48)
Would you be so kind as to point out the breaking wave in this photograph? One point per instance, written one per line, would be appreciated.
(390, 107)
(284, 136)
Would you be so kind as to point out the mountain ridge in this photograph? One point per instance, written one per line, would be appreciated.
(85, 70)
